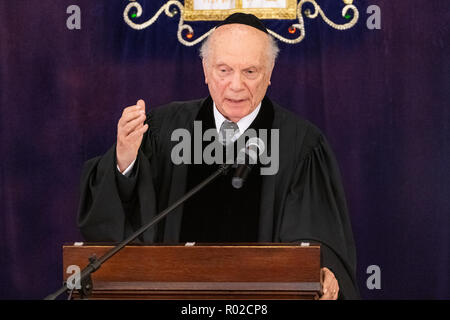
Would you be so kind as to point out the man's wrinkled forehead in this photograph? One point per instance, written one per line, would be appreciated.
(238, 40)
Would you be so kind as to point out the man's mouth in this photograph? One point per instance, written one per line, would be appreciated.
(235, 100)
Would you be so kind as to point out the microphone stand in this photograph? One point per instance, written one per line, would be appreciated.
(95, 264)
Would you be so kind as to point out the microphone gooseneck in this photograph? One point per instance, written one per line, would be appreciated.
(246, 159)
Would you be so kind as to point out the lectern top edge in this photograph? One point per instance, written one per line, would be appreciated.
(211, 245)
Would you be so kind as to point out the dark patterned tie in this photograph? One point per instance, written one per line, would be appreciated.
(228, 130)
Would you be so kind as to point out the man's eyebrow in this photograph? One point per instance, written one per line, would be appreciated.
(220, 63)
(223, 64)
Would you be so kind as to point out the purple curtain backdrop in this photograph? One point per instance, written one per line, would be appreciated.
(380, 96)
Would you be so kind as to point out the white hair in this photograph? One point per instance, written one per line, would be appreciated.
(272, 53)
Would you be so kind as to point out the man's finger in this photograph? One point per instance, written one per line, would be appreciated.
(333, 289)
(130, 116)
(332, 286)
(132, 125)
(138, 132)
(327, 289)
(141, 104)
(327, 278)
(130, 108)
(336, 295)
(326, 296)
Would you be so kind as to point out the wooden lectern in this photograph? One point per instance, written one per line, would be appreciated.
(205, 271)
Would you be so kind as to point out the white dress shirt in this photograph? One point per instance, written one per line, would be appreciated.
(242, 124)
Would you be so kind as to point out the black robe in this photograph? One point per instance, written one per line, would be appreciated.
(219, 212)
(305, 200)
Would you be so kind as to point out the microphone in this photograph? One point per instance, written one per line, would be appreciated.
(246, 159)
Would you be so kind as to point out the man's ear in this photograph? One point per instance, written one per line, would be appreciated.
(204, 70)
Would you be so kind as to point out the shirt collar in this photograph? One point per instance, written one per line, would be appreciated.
(242, 124)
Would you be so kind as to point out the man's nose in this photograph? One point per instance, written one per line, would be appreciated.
(236, 82)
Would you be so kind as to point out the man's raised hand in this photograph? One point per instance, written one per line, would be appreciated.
(130, 131)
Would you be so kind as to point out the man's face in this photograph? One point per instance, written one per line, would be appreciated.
(237, 69)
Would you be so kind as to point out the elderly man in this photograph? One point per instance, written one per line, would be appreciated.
(304, 200)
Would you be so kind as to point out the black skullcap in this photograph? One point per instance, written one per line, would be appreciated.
(244, 18)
